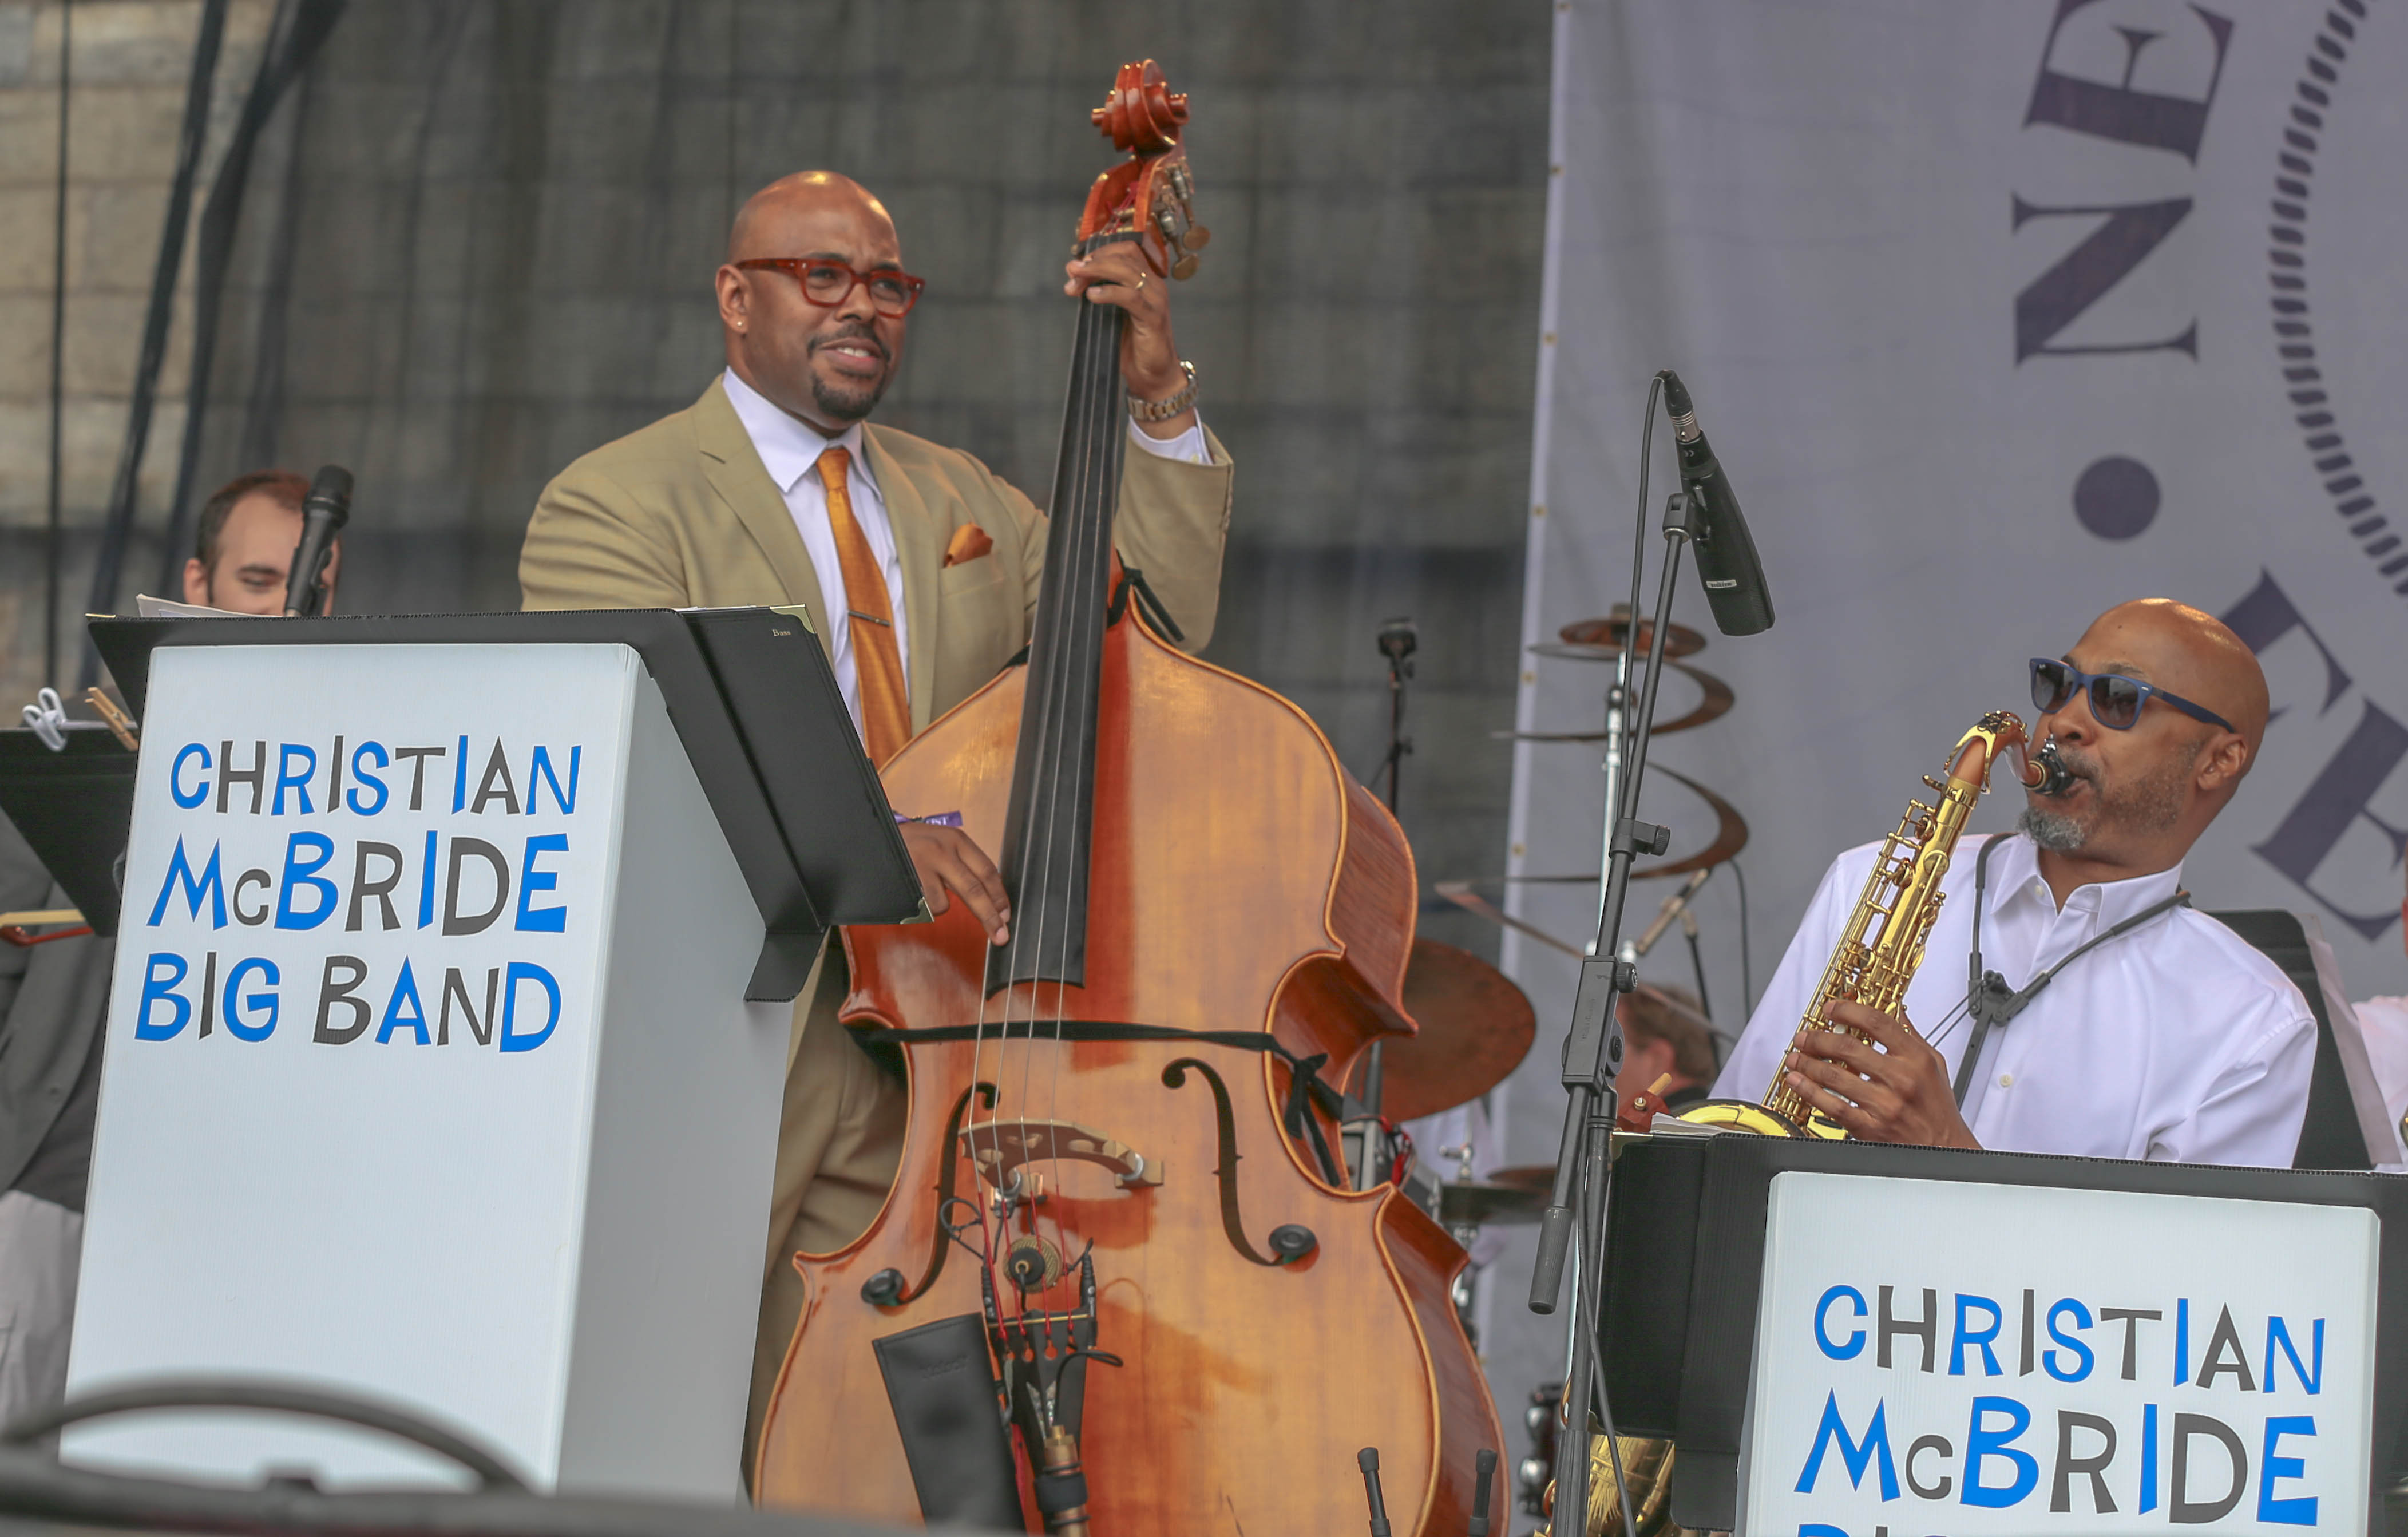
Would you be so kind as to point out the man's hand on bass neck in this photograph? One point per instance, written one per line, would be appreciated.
(1899, 1093)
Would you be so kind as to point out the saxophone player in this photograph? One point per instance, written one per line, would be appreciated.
(2116, 1022)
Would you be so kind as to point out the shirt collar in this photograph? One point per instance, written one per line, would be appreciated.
(789, 449)
(2014, 873)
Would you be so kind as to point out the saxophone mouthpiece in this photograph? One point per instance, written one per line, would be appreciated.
(2049, 774)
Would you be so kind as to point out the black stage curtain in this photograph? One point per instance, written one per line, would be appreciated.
(478, 241)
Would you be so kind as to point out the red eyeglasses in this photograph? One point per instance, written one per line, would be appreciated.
(830, 283)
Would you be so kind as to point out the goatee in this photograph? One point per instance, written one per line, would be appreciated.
(2052, 831)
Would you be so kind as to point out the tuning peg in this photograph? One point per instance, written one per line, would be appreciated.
(1196, 238)
(1184, 267)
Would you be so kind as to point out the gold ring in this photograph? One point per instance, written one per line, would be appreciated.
(1141, 283)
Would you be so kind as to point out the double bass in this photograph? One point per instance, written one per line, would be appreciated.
(1119, 1159)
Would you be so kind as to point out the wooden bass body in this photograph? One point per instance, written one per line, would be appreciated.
(1241, 881)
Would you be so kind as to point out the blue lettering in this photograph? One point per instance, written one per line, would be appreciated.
(2279, 1334)
(1856, 1342)
(1855, 1455)
(1981, 1446)
(297, 874)
(360, 776)
(540, 771)
(287, 780)
(2148, 1457)
(554, 920)
(176, 772)
(2182, 1341)
(2301, 1509)
(2081, 1316)
(1821, 1529)
(513, 1042)
(235, 1022)
(405, 991)
(460, 776)
(1981, 1341)
(157, 988)
(211, 882)
(426, 884)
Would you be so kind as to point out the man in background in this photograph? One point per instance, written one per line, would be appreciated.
(2384, 1024)
(1665, 1040)
(244, 552)
(53, 998)
(54, 995)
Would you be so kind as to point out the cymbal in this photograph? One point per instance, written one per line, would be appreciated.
(1526, 1176)
(1714, 702)
(1489, 1203)
(1608, 632)
(1476, 1027)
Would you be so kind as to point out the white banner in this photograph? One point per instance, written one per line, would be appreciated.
(1997, 315)
(1935, 1357)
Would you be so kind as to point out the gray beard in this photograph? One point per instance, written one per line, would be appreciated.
(2052, 831)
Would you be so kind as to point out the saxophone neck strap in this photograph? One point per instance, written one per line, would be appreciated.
(1987, 997)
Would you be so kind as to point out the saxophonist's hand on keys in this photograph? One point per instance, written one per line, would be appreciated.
(1898, 1094)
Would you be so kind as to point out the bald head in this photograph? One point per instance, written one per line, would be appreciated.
(2141, 793)
(770, 220)
(2187, 652)
(824, 361)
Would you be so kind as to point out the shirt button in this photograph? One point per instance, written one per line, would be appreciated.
(2006, 1080)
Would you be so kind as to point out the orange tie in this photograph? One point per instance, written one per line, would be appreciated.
(877, 661)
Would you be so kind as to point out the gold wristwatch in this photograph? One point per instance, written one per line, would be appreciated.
(1163, 411)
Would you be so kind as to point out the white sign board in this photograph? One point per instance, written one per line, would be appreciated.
(1946, 1357)
(428, 1074)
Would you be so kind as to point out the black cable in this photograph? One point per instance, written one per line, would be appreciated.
(203, 1393)
(1746, 961)
(293, 36)
(123, 494)
(54, 555)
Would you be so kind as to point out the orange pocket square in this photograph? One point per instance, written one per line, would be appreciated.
(969, 543)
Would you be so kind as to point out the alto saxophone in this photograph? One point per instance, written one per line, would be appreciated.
(1882, 944)
(1878, 953)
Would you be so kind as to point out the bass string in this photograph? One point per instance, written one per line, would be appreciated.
(1065, 617)
(1095, 536)
(1031, 904)
(1090, 536)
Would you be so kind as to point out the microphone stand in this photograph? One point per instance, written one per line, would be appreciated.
(1398, 638)
(1593, 1047)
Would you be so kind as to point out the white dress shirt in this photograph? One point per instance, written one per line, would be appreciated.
(790, 450)
(2174, 1042)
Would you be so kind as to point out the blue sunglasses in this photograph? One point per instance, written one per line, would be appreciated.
(2116, 701)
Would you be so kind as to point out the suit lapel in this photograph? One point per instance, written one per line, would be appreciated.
(919, 546)
(734, 471)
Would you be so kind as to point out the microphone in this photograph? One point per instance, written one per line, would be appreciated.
(323, 512)
(1675, 906)
(1727, 560)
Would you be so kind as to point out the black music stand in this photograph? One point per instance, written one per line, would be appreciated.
(757, 707)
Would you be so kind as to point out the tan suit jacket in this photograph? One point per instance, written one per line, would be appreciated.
(682, 514)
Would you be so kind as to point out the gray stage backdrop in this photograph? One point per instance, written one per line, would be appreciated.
(1997, 314)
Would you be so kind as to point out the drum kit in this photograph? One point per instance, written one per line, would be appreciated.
(1476, 1024)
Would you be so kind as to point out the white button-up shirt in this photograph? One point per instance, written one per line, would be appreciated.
(790, 450)
(2175, 1041)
